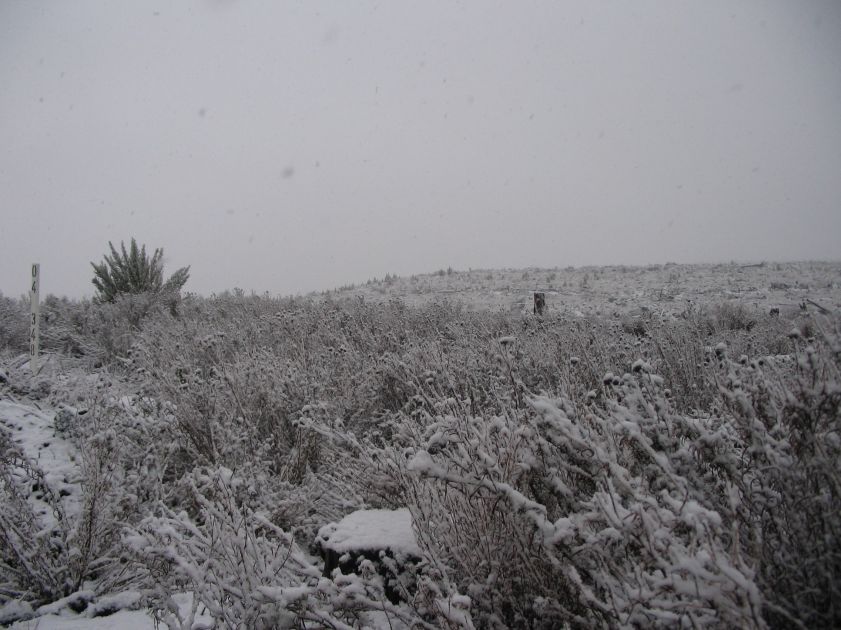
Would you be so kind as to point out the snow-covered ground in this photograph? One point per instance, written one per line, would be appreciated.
(31, 427)
(33, 431)
(669, 288)
(120, 620)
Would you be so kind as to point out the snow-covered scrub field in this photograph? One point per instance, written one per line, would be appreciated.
(648, 460)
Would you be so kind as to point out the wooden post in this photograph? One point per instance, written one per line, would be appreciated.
(539, 303)
(34, 316)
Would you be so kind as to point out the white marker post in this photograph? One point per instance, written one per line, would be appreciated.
(35, 312)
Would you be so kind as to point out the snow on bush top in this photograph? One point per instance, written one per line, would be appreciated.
(371, 529)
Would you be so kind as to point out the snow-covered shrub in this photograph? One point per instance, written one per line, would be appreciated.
(116, 489)
(636, 506)
(245, 571)
(34, 563)
(787, 415)
(101, 332)
(733, 316)
(559, 471)
(544, 516)
(66, 327)
(14, 325)
(230, 407)
(61, 529)
(51, 541)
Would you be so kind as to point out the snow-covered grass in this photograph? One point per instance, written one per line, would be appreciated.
(640, 460)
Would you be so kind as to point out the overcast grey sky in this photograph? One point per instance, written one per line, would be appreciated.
(294, 146)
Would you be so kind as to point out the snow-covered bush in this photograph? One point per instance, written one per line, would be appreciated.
(245, 571)
(14, 325)
(733, 316)
(544, 516)
(103, 332)
(54, 539)
(34, 565)
(787, 415)
(622, 508)
(61, 528)
(559, 471)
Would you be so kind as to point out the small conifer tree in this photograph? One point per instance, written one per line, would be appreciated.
(133, 272)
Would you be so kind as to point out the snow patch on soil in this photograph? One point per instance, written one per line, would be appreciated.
(33, 432)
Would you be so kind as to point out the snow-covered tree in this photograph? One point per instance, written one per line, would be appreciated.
(133, 272)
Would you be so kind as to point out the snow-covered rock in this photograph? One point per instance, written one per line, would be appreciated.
(383, 537)
(371, 530)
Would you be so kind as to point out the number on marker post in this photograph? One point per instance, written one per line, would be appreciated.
(35, 309)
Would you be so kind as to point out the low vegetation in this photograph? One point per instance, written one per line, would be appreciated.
(561, 471)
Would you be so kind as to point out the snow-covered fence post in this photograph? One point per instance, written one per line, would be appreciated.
(35, 312)
(539, 303)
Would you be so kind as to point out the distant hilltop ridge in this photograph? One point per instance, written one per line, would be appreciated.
(615, 289)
